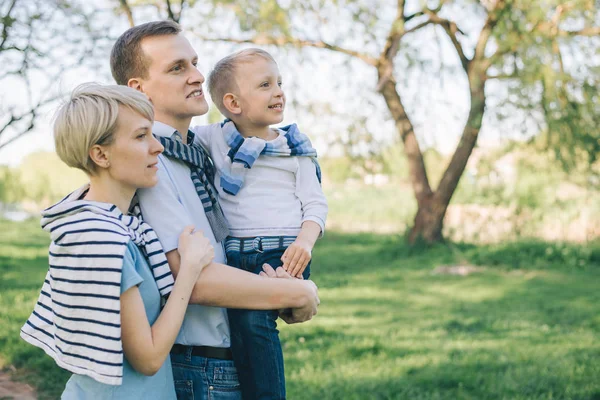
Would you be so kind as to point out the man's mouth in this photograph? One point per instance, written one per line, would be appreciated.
(195, 93)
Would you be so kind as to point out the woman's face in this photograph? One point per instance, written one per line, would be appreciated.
(133, 154)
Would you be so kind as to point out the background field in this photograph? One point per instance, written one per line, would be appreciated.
(525, 326)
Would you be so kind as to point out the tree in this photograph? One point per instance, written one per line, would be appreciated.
(524, 44)
(40, 41)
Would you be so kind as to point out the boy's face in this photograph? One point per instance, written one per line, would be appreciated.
(261, 98)
(174, 83)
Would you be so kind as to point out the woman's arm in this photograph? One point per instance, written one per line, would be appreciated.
(146, 347)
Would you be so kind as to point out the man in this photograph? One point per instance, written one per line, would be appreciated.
(156, 59)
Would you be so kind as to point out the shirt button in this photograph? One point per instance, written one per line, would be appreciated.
(210, 387)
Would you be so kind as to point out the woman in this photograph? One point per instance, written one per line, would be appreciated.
(99, 313)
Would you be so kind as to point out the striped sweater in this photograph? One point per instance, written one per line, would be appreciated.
(77, 320)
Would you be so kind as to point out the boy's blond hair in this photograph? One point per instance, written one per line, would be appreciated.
(89, 118)
(221, 79)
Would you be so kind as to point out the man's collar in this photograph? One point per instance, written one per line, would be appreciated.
(164, 130)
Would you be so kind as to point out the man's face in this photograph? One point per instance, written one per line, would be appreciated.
(173, 84)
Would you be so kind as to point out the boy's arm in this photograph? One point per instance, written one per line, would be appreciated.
(298, 254)
(314, 214)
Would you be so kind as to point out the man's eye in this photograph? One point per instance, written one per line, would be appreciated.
(176, 68)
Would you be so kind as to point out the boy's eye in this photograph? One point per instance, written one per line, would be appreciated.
(141, 135)
(280, 83)
(264, 84)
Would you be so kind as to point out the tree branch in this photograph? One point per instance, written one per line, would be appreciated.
(290, 41)
(170, 12)
(127, 10)
(451, 30)
(5, 26)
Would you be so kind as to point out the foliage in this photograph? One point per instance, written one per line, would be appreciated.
(41, 40)
(525, 327)
(41, 179)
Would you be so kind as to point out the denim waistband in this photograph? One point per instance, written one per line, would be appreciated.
(258, 243)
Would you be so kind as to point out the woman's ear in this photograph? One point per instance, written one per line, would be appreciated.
(100, 156)
(231, 104)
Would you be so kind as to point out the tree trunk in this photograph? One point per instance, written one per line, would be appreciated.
(431, 210)
(432, 205)
(429, 222)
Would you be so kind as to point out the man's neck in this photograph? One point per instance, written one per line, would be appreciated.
(182, 125)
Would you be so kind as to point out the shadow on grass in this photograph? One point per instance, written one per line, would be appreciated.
(389, 329)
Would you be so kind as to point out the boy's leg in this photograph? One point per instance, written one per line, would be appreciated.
(255, 338)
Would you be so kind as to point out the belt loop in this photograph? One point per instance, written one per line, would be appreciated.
(188, 353)
(257, 244)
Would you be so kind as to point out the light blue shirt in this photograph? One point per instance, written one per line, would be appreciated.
(136, 271)
(168, 207)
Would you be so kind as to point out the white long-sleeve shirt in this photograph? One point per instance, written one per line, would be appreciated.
(278, 194)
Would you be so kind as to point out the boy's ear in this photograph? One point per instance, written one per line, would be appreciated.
(231, 103)
(135, 83)
(99, 156)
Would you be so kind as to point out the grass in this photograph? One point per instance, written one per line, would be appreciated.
(526, 327)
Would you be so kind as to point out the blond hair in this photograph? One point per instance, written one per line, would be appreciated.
(221, 79)
(89, 118)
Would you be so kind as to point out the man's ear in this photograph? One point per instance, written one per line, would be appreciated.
(100, 156)
(231, 104)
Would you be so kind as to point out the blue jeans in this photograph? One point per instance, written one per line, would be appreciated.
(200, 378)
(254, 335)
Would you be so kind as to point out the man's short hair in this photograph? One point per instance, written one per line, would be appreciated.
(221, 79)
(127, 59)
(89, 118)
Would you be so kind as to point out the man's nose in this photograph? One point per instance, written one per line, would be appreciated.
(196, 76)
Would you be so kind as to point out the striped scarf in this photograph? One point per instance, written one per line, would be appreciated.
(243, 152)
(202, 172)
(76, 320)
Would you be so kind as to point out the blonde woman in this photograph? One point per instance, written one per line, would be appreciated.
(99, 313)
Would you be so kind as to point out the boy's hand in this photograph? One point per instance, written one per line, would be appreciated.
(296, 257)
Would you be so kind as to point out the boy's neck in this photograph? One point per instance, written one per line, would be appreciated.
(250, 130)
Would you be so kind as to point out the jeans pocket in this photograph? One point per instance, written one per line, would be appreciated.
(184, 389)
(226, 378)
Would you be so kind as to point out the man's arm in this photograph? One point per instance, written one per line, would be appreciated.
(220, 285)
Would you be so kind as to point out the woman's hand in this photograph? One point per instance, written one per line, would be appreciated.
(195, 251)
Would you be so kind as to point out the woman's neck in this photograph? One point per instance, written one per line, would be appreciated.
(106, 191)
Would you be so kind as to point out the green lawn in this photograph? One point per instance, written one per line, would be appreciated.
(527, 327)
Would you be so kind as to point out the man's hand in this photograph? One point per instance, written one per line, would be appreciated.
(295, 315)
(296, 257)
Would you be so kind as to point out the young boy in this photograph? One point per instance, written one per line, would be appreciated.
(269, 186)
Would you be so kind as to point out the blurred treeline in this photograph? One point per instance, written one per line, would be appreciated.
(510, 191)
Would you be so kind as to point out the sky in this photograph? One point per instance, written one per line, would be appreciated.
(439, 107)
